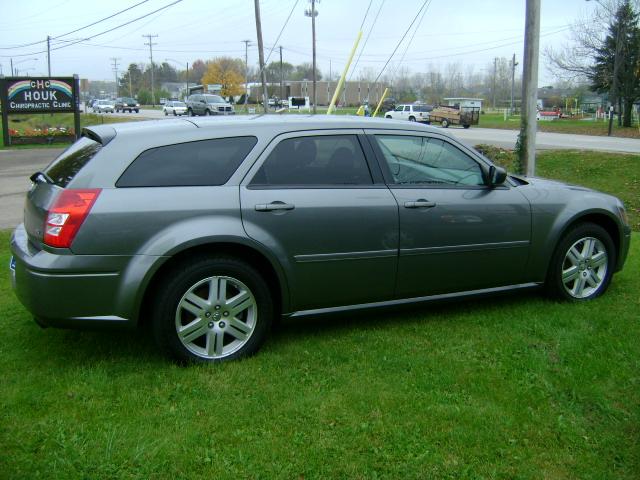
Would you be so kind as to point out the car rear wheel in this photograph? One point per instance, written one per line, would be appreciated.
(212, 309)
(582, 265)
(412, 119)
(166, 113)
(388, 116)
(445, 123)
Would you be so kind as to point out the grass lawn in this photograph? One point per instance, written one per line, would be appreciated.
(512, 387)
(581, 127)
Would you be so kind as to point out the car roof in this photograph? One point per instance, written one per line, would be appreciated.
(265, 124)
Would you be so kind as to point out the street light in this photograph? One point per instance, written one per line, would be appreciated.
(14, 72)
(181, 64)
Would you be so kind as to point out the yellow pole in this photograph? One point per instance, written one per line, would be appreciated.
(384, 95)
(336, 94)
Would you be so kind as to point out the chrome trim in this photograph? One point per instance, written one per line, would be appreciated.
(464, 248)
(328, 257)
(405, 301)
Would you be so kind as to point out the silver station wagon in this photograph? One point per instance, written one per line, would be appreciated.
(207, 229)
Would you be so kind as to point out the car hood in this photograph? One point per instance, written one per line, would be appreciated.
(552, 184)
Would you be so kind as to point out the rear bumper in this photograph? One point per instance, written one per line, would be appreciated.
(66, 290)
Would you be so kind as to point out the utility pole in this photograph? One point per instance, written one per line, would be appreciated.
(313, 13)
(114, 64)
(151, 44)
(528, 126)
(265, 94)
(281, 77)
(513, 79)
(495, 73)
(246, 72)
(49, 54)
(12, 72)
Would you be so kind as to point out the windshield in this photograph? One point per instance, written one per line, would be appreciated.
(214, 99)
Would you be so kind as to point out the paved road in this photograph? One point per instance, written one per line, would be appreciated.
(17, 165)
(501, 138)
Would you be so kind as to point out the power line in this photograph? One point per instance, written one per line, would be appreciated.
(411, 39)
(101, 33)
(77, 29)
(365, 15)
(401, 40)
(353, 70)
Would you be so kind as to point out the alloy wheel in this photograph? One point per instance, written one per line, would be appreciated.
(584, 268)
(216, 317)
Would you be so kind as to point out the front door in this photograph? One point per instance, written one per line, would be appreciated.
(456, 233)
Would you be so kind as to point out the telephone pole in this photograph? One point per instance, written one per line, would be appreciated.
(495, 74)
(114, 64)
(151, 44)
(265, 94)
(528, 126)
(246, 72)
(49, 54)
(281, 77)
(513, 79)
(313, 13)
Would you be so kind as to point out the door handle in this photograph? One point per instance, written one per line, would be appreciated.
(420, 204)
(273, 206)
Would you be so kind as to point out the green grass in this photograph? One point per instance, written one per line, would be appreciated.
(614, 173)
(513, 387)
(580, 127)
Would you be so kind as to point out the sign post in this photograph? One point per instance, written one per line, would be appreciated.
(25, 95)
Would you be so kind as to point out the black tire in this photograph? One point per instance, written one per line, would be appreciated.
(445, 123)
(166, 113)
(189, 113)
(466, 126)
(587, 271)
(175, 114)
(137, 110)
(169, 311)
(412, 119)
(207, 113)
(388, 116)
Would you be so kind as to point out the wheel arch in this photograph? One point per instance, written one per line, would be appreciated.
(602, 218)
(268, 267)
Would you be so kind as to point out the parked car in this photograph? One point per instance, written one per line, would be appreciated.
(209, 229)
(174, 108)
(103, 106)
(206, 104)
(127, 104)
(411, 112)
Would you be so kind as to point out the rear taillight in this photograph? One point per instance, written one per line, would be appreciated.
(67, 214)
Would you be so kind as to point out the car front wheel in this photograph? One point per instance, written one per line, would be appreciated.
(207, 113)
(212, 309)
(445, 123)
(582, 265)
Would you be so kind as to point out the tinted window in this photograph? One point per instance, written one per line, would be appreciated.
(207, 162)
(428, 161)
(214, 99)
(422, 108)
(70, 162)
(321, 160)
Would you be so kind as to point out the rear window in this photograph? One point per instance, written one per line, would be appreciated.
(70, 162)
(201, 163)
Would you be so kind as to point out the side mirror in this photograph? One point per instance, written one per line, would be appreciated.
(497, 176)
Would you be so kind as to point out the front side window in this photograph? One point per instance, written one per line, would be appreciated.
(205, 162)
(399, 108)
(319, 160)
(429, 161)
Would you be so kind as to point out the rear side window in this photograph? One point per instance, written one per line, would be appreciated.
(206, 162)
(319, 160)
(70, 162)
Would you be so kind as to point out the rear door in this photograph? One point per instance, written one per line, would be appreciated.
(319, 202)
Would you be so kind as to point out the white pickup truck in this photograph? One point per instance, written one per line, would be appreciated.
(411, 112)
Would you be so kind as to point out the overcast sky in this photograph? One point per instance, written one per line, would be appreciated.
(471, 32)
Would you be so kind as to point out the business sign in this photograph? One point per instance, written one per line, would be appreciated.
(40, 95)
(24, 95)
